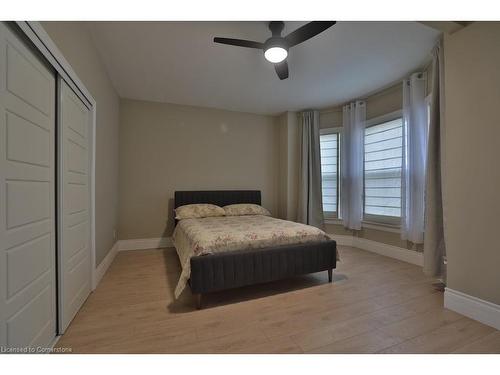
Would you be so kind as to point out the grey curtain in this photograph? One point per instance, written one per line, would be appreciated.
(310, 204)
(434, 243)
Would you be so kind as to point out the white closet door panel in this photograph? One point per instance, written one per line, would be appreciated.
(33, 258)
(76, 178)
(76, 218)
(27, 196)
(22, 69)
(77, 199)
(75, 249)
(36, 141)
(77, 238)
(76, 156)
(20, 108)
(77, 119)
(23, 324)
(18, 171)
(33, 230)
(28, 202)
(78, 282)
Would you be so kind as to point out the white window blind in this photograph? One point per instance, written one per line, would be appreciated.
(329, 149)
(382, 164)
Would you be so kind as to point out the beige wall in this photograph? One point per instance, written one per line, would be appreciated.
(74, 41)
(166, 147)
(386, 101)
(330, 118)
(282, 124)
(472, 144)
(289, 165)
(293, 140)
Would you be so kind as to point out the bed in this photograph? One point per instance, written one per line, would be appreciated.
(254, 263)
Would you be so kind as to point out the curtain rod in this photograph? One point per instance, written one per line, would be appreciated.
(389, 88)
(386, 90)
(331, 110)
(427, 65)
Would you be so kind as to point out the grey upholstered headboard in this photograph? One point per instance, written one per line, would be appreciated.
(218, 197)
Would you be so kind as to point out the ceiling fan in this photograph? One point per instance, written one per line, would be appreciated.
(276, 47)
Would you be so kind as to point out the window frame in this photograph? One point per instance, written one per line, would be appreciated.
(326, 131)
(388, 221)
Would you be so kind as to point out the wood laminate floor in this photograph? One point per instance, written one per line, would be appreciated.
(375, 305)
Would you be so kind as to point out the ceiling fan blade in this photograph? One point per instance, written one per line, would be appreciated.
(308, 31)
(239, 42)
(282, 69)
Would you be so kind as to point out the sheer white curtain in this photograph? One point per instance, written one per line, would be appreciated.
(414, 158)
(310, 204)
(351, 164)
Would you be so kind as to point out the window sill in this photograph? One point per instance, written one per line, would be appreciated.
(367, 225)
(333, 221)
(381, 227)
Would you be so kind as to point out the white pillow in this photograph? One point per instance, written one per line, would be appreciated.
(242, 209)
(191, 211)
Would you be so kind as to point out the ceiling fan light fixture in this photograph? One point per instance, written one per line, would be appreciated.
(275, 54)
(276, 47)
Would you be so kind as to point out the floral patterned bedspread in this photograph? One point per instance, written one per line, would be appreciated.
(210, 235)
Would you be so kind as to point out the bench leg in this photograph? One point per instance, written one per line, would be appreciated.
(198, 301)
(330, 274)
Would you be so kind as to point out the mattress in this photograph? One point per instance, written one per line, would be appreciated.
(210, 235)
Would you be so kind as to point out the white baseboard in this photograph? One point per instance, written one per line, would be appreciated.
(409, 256)
(475, 308)
(104, 265)
(342, 239)
(405, 255)
(144, 243)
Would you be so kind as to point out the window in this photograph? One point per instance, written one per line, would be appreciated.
(329, 150)
(383, 156)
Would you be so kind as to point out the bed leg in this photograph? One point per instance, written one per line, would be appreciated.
(330, 274)
(198, 301)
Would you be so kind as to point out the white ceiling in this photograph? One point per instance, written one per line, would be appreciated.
(177, 62)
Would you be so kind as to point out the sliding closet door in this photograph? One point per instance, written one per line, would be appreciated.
(74, 204)
(27, 196)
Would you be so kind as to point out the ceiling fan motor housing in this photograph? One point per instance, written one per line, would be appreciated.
(276, 42)
(276, 27)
